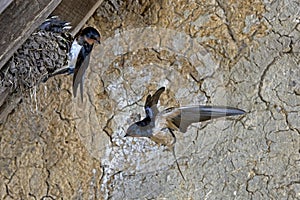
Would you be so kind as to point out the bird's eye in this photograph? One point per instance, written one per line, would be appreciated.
(93, 37)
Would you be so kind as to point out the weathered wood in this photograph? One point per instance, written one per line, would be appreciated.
(4, 4)
(18, 21)
(8, 106)
(77, 12)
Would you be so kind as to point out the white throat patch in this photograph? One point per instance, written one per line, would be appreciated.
(75, 49)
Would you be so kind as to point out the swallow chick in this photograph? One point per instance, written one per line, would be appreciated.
(79, 57)
(55, 25)
(160, 126)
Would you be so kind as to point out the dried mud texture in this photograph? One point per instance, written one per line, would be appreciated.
(241, 54)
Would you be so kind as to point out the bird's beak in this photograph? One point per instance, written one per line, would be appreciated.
(125, 135)
(98, 41)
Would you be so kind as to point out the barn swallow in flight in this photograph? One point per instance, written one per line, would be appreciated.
(159, 126)
(79, 55)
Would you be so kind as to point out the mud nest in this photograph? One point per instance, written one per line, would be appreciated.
(42, 53)
(45, 51)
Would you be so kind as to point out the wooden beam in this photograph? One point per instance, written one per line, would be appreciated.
(4, 4)
(18, 21)
(77, 12)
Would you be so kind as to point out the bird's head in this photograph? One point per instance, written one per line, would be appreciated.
(136, 130)
(133, 131)
(91, 35)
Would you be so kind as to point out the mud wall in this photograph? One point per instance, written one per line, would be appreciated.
(241, 54)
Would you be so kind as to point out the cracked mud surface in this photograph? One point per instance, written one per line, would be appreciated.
(244, 55)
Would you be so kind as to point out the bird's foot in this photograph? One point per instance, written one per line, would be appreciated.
(164, 137)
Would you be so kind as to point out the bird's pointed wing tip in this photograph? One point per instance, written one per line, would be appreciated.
(74, 91)
(81, 89)
(162, 89)
(235, 111)
(159, 92)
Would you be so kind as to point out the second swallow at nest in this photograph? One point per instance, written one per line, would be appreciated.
(79, 55)
(159, 126)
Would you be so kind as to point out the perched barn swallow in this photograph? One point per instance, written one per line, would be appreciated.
(79, 55)
(159, 126)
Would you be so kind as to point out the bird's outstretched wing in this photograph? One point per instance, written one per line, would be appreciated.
(182, 117)
(151, 103)
(151, 108)
(79, 72)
